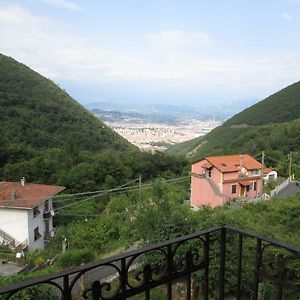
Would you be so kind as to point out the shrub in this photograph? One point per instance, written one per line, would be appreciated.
(73, 258)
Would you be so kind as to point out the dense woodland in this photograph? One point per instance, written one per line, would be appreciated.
(48, 137)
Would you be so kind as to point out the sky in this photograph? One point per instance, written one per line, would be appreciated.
(191, 52)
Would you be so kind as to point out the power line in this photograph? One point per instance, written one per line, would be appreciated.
(257, 155)
(120, 188)
(95, 196)
(89, 192)
(275, 160)
(108, 190)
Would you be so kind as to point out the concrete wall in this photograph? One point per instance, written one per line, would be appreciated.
(38, 221)
(231, 175)
(280, 187)
(202, 192)
(20, 224)
(14, 222)
(34, 222)
(272, 175)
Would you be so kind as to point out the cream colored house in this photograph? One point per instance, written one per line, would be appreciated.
(26, 214)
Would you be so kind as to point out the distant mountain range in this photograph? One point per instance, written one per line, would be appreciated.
(164, 113)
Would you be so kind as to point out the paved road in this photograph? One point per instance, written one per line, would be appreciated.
(289, 190)
(100, 273)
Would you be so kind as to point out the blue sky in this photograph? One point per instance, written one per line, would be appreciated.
(160, 51)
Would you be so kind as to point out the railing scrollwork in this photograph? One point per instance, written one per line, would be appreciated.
(178, 260)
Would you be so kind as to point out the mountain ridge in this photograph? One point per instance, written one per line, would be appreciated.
(281, 106)
(36, 109)
(274, 129)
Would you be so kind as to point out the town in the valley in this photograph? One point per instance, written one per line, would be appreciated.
(151, 136)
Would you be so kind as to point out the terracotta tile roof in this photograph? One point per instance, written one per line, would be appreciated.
(245, 183)
(13, 194)
(231, 163)
(207, 165)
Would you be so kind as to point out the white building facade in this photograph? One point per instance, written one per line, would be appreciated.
(26, 214)
(269, 175)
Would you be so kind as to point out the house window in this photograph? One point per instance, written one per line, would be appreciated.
(254, 186)
(46, 205)
(251, 187)
(271, 177)
(209, 173)
(37, 234)
(36, 211)
(233, 189)
(255, 172)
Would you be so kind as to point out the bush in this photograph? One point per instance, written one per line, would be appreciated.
(73, 258)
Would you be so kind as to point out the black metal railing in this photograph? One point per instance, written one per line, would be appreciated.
(213, 263)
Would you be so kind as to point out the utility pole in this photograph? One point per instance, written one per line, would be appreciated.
(290, 165)
(262, 170)
(140, 188)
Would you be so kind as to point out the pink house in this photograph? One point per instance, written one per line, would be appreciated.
(218, 179)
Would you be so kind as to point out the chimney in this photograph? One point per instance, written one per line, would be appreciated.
(14, 195)
(23, 181)
(241, 162)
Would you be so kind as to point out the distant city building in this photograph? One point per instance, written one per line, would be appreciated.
(219, 179)
(26, 214)
(145, 135)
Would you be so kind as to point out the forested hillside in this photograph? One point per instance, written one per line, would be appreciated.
(48, 137)
(35, 109)
(272, 125)
(282, 106)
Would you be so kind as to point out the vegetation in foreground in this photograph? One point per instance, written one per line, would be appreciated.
(119, 226)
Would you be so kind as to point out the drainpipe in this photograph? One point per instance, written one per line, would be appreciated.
(262, 171)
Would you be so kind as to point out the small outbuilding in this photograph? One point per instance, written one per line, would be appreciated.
(269, 175)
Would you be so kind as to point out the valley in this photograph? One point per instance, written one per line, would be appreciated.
(157, 131)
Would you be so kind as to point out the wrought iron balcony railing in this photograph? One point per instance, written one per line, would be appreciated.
(211, 264)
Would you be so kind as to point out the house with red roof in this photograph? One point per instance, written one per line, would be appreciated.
(26, 214)
(215, 180)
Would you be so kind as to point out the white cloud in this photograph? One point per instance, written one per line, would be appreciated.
(45, 46)
(16, 16)
(287, 16)
(178, 38)
(49, 48)
(63, 3)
